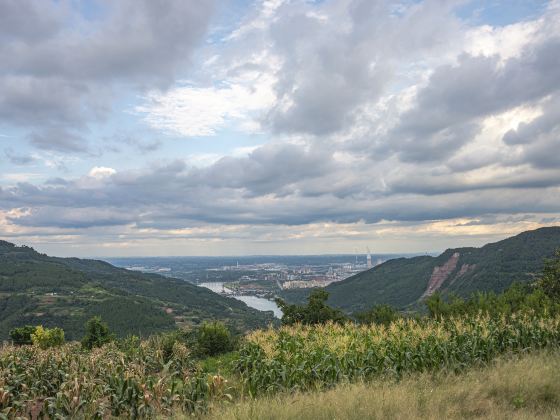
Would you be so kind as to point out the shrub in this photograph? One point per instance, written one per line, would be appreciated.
(97, 333)
(22, 335)
(48, 337)
(167, 342)
(379, 314)
(213, 338)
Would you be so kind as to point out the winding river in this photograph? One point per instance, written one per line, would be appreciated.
(259, 303)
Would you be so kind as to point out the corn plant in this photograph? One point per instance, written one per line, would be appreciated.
(311, 357)
(116, 380)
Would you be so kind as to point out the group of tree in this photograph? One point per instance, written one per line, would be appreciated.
(97, 334)
(209, 339)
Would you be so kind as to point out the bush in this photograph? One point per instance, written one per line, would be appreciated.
(47, 337)
(22, 335)
(97, 333)
(213, 338)
(379, 314)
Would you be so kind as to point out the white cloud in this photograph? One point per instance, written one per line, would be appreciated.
(100, 172)
(193, 111)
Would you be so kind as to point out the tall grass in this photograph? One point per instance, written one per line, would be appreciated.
(306, 358)
(526, 387)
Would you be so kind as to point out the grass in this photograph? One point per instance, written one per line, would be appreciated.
(220, 365)
(516, 387)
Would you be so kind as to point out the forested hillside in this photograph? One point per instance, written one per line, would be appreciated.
(403, 282)
(65, 292)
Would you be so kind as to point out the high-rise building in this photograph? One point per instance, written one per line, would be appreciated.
(368, 260)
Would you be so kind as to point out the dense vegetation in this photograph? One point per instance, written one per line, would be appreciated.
(401, 282)
(307, 358)
(65, 292)
(128, 378)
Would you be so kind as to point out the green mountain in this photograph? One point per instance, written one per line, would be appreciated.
(403, 282)
(38, 289)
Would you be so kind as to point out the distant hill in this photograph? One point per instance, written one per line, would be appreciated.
(403, 282)
(38, 289)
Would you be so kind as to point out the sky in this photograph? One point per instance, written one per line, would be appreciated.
(186, 127)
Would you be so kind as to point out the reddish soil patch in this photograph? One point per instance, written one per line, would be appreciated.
(440, 274)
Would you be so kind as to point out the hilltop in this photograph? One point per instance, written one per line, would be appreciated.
(403, 282)
(65, 292)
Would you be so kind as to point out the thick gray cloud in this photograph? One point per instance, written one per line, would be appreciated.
(449, 109)
(56, 77)
(57, 138)
(540, 139)
(29, 20)
(270, 169)
(331, 67)
(274, 185)
(18, 159)
(76, 218)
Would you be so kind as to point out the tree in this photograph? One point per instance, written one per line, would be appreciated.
(549, 282)
(315, 312)
(97, 333)
(47, 337)
(22, 335)
(213, 338)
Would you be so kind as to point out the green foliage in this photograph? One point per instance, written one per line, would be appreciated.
(97, 333)
(549, 282)
(379, 314)
(518, 298)
(45, 338)
(213, 338)
(22, 335)
(315, 312)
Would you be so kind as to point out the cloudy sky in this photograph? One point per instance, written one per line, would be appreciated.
(187, 127)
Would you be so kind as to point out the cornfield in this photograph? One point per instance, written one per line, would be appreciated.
(317, 357)
(133, 380)
(158, 378)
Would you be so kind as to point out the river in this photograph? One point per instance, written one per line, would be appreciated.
(259, 303)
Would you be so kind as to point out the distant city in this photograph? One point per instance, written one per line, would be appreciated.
(261, 276)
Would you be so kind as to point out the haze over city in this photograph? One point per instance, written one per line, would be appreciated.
(278, 126)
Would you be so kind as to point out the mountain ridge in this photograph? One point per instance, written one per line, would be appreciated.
(404, 282)
(39, 289)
